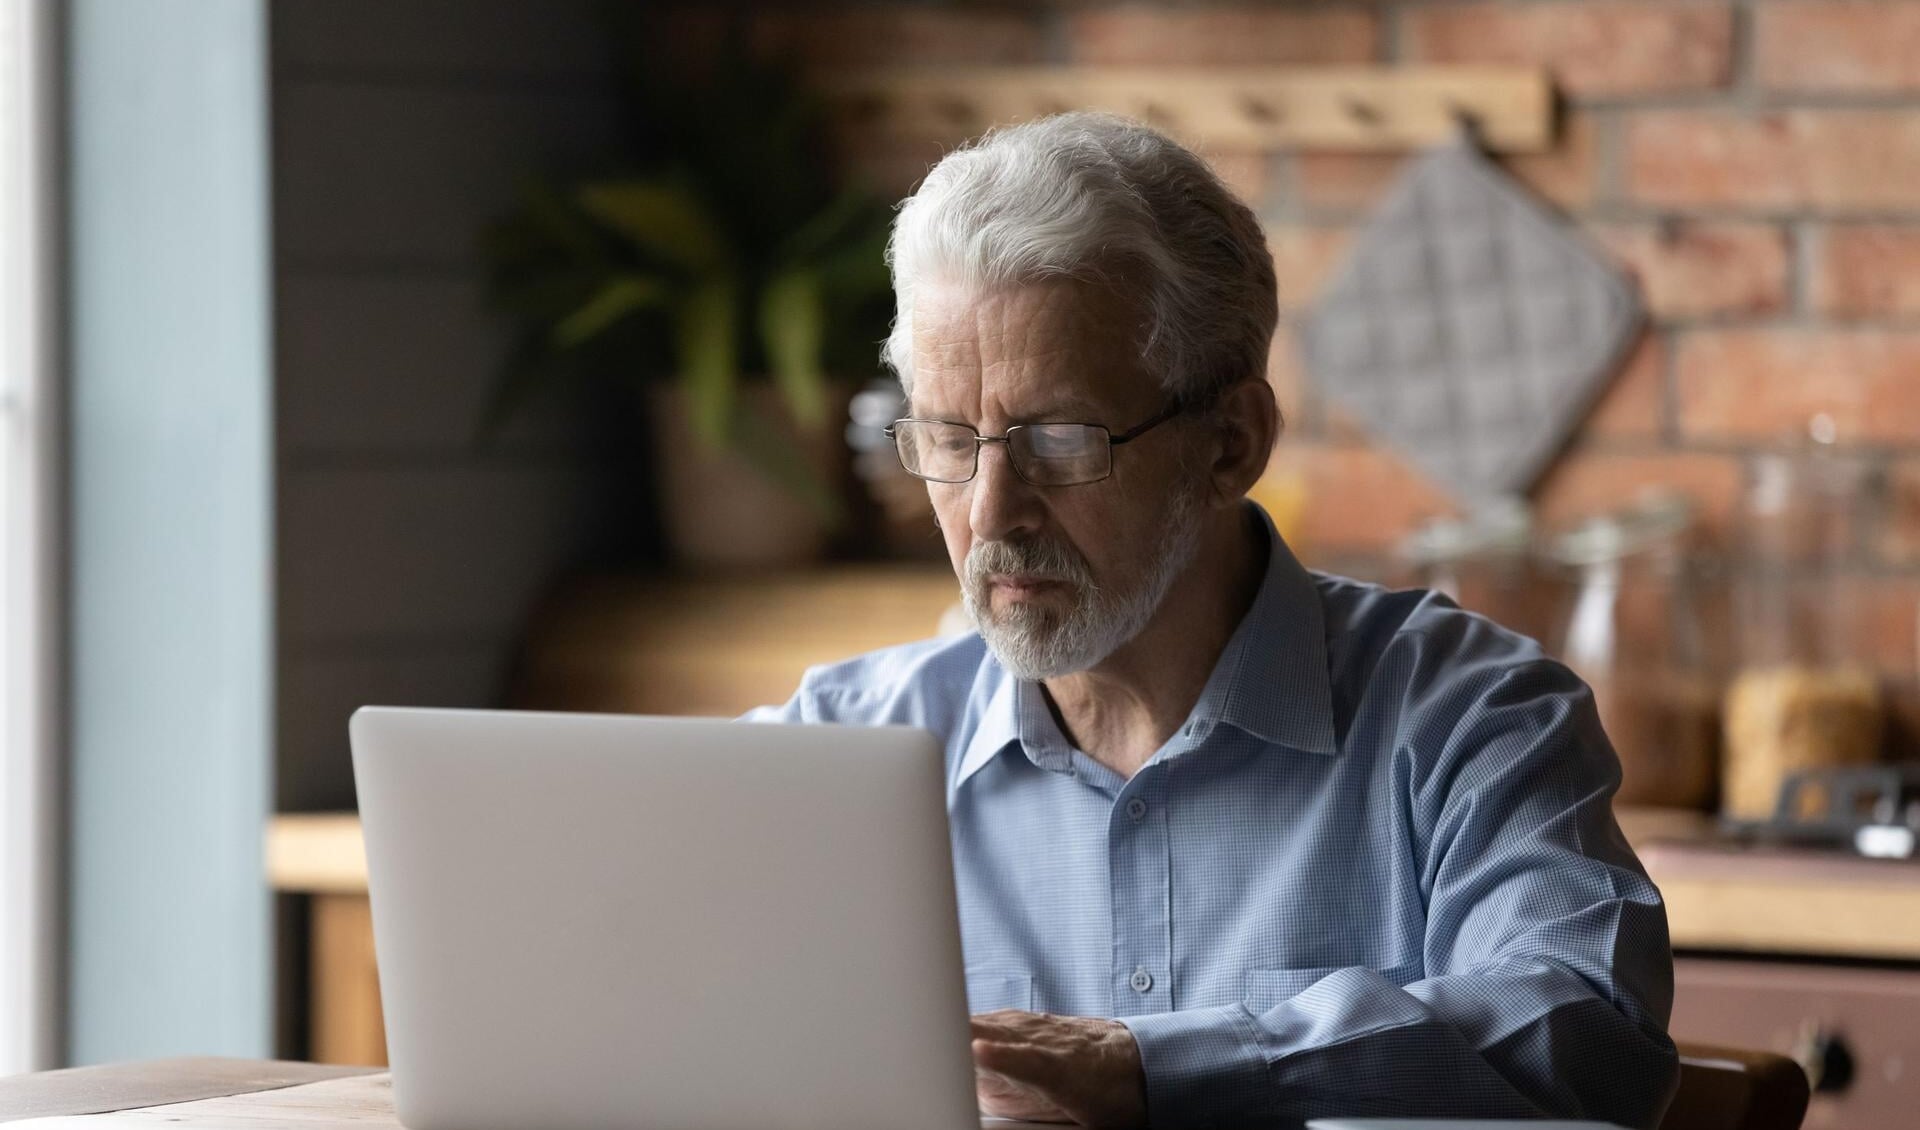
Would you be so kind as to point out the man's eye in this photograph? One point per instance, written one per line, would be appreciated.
(1058, 443)
(954, 444)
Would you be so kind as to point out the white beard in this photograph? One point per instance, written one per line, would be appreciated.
(1033, 643)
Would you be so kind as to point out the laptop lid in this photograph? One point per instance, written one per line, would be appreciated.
(606, 921)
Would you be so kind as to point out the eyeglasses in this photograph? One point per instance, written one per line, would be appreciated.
(1043, 455)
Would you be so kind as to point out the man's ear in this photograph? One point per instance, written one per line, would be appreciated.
(1246, 425)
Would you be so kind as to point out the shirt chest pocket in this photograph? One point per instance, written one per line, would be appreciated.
(990, 990)
(1265, 988)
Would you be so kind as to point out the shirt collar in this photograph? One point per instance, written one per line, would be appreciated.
(1271, 680)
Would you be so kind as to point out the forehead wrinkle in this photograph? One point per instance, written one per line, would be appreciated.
(1046, 344)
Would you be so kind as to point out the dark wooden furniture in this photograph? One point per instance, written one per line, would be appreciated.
(1852, 1028)
(1736, 1089)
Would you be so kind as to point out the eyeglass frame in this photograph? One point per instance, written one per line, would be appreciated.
(1174, 409)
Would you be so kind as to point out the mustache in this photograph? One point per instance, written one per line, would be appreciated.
(1047, 558)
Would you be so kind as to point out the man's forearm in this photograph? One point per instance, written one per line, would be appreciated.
(1356, 1044)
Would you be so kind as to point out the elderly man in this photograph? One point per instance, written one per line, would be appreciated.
(1236, 842)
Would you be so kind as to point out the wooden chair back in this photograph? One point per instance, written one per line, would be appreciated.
(1736, 1089)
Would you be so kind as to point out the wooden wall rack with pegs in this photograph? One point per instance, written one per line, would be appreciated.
(1369, 108)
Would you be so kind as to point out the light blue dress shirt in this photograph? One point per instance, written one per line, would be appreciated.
(1375, 873)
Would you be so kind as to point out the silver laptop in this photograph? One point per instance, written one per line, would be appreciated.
(609, 921)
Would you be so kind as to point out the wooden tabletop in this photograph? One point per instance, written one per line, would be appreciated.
(181, 1088)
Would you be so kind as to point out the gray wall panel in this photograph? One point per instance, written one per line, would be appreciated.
(436, 39)
(322, 690)
(383, 364)
(405, 174)
(382, 556)
(410, 556)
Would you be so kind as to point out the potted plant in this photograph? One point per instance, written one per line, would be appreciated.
(725, 267)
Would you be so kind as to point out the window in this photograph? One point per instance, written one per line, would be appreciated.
(28, 611)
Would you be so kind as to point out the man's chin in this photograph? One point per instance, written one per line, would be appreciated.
(1026, 657)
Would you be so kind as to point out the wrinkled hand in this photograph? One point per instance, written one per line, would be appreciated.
(1044, 1068)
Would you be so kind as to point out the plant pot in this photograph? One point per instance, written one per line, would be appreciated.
(722, 511)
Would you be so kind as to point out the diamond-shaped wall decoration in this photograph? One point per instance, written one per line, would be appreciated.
(1470, 327)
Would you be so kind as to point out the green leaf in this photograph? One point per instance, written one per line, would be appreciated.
(793, 319)
(709, 362)
(665, 220)
(547, 211)
(847, 211)
(622, 296)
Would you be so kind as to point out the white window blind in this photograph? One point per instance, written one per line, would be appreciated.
(29, 612)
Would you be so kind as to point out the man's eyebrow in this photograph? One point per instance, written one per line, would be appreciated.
(1071, 411)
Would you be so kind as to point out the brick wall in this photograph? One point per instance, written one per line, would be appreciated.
(1756, 163)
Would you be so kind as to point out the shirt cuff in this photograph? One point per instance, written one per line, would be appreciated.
(1203, 1066)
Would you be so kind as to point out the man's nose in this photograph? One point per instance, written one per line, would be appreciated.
(1003, 503)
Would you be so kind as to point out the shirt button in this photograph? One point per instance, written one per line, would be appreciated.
(1137, 808)
(1141, 980)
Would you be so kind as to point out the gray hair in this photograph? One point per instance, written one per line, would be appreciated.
(1100, 198)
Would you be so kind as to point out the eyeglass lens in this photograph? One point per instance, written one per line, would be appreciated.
(1042, 454)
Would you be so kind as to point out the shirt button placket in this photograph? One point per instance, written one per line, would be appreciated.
(1137, 867)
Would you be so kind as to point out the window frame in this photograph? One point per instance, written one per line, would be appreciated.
(31, 537)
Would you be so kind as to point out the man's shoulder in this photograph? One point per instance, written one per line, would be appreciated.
(912, 683)
(1418, 639)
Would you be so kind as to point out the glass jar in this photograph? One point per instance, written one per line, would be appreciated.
(1483, 562)
(1634, 627)
(1806, 695)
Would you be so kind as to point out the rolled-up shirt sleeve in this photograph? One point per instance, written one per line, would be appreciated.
(1547, 971)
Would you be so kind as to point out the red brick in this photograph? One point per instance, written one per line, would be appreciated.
(893, 35)
(1347, 181)
(1837, 45)
(1303, 259)
(1358, 499)
(1584, 483)
(1227, 35)
(1784, 159)
(1632, 407)
(1691, 270)
(1564, 174)
(1592, 47)
(1867, 270)
(1899, 538)
(1885, 628)
(1766, 384)
(1873, 622)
